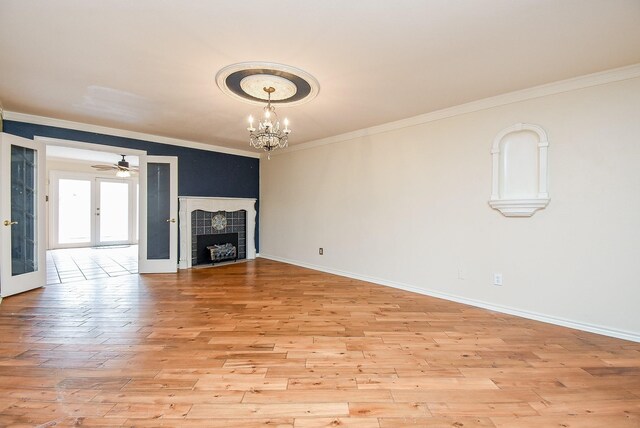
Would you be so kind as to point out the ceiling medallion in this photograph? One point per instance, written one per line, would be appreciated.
(245, 82)
(257, 82)
(254, 85)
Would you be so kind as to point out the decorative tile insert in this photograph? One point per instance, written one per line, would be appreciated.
(201, 224)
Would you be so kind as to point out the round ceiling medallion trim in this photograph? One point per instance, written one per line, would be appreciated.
(293, 86)
(254, 85)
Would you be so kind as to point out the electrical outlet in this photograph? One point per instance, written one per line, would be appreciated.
(497, 279)
(462, 273)
(321, 251)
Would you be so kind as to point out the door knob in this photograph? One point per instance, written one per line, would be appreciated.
(171, 220)
(9, 223)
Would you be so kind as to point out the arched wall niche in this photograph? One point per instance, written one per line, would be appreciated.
(519, 185)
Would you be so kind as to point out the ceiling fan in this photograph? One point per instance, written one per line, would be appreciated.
(122, 168)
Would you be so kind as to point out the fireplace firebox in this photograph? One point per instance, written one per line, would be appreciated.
(203, 254)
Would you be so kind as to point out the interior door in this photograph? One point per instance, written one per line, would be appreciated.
(22, 215)
(159, 214)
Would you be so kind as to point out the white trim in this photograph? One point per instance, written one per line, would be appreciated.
(78, 126)
(581, 82)
(518, 207)
(620, 334)
(90, 146)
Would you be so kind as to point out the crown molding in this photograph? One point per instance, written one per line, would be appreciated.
(78, 126)
(581, 82)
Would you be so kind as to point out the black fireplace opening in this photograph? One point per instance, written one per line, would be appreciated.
(203, 254)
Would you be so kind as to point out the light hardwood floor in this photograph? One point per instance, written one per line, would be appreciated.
(273, 345)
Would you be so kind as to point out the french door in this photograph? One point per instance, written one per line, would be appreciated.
(92, 211)
(22, 215)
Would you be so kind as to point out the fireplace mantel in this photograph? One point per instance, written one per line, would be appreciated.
(189, 204)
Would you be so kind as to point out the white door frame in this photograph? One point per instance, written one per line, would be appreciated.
(144, 265)
(141, 154)
(9, 284)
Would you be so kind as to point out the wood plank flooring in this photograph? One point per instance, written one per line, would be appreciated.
(265, 344)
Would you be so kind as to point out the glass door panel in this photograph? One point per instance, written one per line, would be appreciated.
(158, 210)
(74, 212)
(113, 212)
(23, 214)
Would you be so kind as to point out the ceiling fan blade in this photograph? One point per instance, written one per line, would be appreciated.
(126, 168)
(120, 166)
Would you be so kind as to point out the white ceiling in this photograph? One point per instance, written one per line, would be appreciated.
(149, 65)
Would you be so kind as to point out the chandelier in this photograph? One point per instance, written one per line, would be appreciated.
(269, 136)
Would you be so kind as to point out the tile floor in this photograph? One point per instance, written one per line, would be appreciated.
(79, 264)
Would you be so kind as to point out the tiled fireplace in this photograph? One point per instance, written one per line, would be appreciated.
(200, 216)
(202, 224)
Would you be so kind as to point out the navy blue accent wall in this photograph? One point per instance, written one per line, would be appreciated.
(200, 172)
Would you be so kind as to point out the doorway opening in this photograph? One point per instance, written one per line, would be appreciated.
(29, 221)
(92, 216)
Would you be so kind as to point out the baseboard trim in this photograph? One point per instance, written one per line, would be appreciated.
(591, 328)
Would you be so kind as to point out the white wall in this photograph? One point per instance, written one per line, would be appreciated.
(409, 208)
